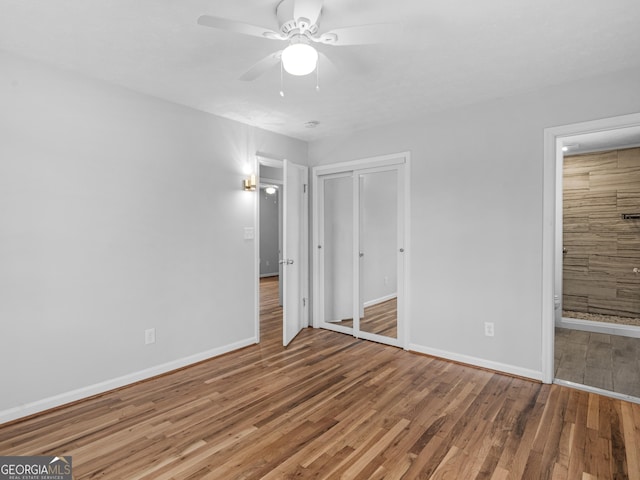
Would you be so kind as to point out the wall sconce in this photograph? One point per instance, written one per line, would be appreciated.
(249, 184)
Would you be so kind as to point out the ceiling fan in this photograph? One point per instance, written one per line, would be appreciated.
(299, 22)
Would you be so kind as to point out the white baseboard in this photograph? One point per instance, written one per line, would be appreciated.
(102, 387)
(599, 327)
(376, 301)
(478, 362)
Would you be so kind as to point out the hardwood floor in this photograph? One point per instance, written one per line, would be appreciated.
(331, 406)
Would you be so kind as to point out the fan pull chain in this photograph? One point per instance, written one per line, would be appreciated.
(281, 79)
(318, 75)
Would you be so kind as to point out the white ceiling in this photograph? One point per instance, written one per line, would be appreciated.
(450, 53)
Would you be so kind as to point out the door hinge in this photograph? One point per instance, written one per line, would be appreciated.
(304, 188)
(304, 302)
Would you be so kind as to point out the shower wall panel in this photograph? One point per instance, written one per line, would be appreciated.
(602, 249)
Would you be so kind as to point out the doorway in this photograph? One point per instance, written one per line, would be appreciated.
(586, 352)
(359, 246)
(282, 255)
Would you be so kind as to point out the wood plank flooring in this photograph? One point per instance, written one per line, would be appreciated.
(330, 406)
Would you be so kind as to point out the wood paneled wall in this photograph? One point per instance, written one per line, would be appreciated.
(601, 248)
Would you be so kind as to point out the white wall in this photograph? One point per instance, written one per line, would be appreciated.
(118, 212)
(476, 215)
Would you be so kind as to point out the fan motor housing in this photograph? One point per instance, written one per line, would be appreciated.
(288, 24)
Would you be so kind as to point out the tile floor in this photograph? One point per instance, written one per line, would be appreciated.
(610, 362)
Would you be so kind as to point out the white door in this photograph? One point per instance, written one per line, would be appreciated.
(294, 251)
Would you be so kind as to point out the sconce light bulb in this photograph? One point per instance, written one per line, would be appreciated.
(249, 184)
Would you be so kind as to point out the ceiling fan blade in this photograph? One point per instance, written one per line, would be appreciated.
(262, 66)
(339, 64)
(359, 35)
(309, 9)
(238, 27)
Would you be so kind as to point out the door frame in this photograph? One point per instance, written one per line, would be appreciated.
(401, 158)
(552, 223)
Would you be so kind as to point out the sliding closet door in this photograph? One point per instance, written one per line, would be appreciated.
(380, 255)
(359, 262)
(335, 252)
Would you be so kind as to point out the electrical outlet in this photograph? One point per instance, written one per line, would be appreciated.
(386, 280)
(149, 336)
(488, 329)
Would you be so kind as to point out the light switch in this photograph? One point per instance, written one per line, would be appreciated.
(249, 233)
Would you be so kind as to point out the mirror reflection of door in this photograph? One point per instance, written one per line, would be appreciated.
(337, 226)
(378, 212)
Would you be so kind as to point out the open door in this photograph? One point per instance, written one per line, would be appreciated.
(295, 251)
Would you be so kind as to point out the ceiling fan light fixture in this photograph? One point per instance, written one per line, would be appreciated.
(299, 59)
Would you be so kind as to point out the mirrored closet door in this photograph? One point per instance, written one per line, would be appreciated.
(378, 252)
(336, 251)
(359, 249)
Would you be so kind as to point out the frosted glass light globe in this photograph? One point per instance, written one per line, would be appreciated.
(299, 59)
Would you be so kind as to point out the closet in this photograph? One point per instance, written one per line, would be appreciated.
(360, 255)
